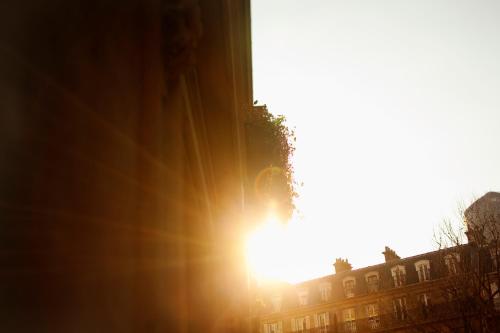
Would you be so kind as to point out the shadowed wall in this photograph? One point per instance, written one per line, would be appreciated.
(121, 165)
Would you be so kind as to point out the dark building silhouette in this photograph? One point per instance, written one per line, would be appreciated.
(483, 218)
(122, 165)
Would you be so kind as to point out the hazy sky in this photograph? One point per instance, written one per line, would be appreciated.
(396, 107)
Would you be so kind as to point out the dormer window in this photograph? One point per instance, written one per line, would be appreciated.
(372, 281)
(423, 269)
(398, 275)
(303, 297)
(349, 285)
(451, 261)
(325, 291)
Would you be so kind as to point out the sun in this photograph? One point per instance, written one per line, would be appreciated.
(264, 250)
(280, 252)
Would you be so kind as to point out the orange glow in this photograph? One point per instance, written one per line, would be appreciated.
(282, 252)
(264, 249)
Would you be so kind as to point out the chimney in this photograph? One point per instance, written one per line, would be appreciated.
(390, 254)
(342, 265)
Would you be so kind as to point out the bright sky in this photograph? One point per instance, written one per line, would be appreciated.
(396, 107)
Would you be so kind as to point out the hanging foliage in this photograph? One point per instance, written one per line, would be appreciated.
(270, 146)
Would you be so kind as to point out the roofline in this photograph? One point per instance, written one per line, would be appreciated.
(372, 267)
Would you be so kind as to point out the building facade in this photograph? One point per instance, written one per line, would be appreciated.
(400, 295)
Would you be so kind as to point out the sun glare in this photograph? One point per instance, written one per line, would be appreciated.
(281, 252)
(263, 249)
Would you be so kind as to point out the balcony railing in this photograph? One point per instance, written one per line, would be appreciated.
(416, 316)
(412, 317)
(325, 329)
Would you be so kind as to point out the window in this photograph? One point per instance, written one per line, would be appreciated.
(496, 296)
(373, 316)
(423, 269)
(400, 311)
(398, 275)
(451, 294)
(451, 261)
(349, 317)
(349, 284)
(325, 291)
(276, 303)
(322, 322)
(301, 324)
(371, 282)
(494, 257)
(303, 297)
(425, 303)
(275, 327)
